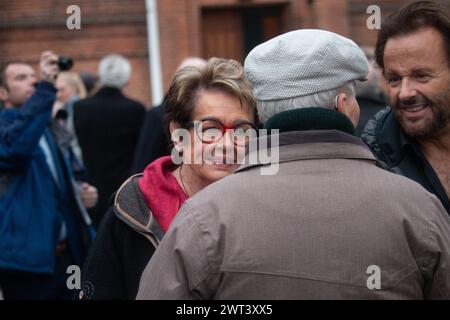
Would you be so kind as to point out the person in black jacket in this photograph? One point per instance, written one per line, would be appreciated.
(217, 96)
(413, 138)
(107, 125)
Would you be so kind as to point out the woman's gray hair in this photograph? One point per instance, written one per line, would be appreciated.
(114, 71)
(324, 99)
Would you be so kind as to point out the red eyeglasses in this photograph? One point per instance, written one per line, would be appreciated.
(212, 130)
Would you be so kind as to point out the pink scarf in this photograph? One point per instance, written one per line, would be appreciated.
(162, 193)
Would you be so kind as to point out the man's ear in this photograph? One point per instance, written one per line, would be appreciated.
(3, 94)
(346, 105)
(341, 103)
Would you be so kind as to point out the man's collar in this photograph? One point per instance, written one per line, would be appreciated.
(393, 140)
(312, 118)
(303, 145)
(318, 136)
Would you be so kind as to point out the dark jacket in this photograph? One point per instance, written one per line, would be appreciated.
(153, 141)
(107, 126)
(32, 205)
(402, 155)
(368, 106)
(125, 242)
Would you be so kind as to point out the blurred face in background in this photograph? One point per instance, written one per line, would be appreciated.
(66, 89)
(20, 81)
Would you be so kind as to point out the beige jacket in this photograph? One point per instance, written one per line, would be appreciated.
(330, 224)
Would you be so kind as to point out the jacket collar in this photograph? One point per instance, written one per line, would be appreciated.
(129, 206)
(313, 118)
(307, 145)
(392, 140)
(109, 91)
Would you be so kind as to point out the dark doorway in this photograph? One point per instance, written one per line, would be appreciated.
(260, 25)
(233, 32)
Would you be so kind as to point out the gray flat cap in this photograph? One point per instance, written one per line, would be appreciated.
(303, 62)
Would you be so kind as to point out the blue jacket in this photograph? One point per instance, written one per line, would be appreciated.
(32, 205)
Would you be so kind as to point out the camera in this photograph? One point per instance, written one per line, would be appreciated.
(65, 63)
(61, 114)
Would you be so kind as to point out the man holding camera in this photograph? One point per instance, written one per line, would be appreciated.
(43, 227)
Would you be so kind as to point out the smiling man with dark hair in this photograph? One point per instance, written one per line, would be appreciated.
(413, 138)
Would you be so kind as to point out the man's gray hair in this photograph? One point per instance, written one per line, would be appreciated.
(114, 71)
(324, 99)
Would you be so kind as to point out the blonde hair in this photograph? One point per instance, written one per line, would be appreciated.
(73, 79)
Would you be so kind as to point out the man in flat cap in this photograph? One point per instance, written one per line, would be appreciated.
(330, 224)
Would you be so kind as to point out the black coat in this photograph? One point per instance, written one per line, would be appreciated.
(125, 242)
(153, 141)
(115, 262)
(368, 106)
(107, 126)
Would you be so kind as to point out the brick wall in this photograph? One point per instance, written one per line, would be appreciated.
(28, 27)
(357, 18)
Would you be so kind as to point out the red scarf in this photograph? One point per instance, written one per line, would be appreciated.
(162, 193)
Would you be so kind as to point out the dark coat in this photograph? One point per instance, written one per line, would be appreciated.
(401, 154)
(126, 240)
(153, 141)
(107, 126)
(368, 106)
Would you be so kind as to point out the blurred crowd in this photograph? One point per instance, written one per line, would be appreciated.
(87, 176)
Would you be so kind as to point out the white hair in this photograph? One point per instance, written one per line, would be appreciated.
(324, 99)
(114, 71)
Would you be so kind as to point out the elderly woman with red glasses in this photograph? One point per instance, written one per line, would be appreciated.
(210, 115)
